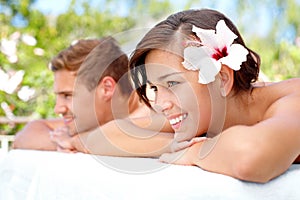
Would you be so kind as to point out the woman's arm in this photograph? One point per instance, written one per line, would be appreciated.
(253, 153)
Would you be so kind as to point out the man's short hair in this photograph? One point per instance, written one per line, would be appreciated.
(72, 57)
(94, 59)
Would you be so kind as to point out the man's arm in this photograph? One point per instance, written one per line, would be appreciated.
(146, 136)
(144, 133)
(124, 138)
(117, 138)
(35, 135)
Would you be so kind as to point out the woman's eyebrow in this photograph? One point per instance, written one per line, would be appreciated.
(160, 78)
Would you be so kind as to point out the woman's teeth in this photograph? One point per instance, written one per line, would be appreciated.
(178, 119)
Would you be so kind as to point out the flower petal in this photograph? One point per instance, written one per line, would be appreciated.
(224, 36)
(207, 36)
(236, 55)
(210, 68)
(191, 58)
(196, 58)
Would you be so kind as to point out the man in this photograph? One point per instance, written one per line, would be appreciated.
(92, 88)
(66, 67)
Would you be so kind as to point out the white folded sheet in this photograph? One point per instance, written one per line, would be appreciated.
(29, 174)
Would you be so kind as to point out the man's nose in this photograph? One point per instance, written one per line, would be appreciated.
(60, 108)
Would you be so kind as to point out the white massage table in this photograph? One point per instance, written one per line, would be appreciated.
(30, 174)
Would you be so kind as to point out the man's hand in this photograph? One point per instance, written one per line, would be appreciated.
(61, 136)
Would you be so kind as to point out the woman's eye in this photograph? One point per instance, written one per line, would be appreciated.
(172, 83)
(154, 88)
(151, 92)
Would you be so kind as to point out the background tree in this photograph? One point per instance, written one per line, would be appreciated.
(30, 38)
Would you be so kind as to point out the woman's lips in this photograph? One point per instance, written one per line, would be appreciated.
(176, 121)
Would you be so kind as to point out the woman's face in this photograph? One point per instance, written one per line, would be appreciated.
(176, 93)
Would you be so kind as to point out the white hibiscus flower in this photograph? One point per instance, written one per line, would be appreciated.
(215, 49)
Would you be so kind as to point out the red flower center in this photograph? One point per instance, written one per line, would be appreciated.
(220, 53)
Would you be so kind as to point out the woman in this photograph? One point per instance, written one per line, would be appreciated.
(195, 68)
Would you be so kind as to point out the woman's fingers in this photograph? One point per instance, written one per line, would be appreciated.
(174, 158)
(187, 156)
(177, 146)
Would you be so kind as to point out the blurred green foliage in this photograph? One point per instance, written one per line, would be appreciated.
(280, 58)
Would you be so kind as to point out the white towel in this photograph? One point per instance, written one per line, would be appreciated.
(29, 174)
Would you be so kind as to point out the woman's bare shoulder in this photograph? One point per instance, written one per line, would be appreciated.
(274, 96)
(288, 85)
(284, 97)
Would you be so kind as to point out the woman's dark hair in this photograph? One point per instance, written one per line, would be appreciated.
(171, 33)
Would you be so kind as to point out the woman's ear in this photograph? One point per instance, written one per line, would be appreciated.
(227, 78)
(106, 88)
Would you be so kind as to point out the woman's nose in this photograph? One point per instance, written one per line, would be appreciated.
(164, 100)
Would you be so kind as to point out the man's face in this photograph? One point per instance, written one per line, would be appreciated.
(63, 87)
(84, 107)
(75, 102)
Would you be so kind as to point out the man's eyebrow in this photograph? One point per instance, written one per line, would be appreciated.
(64, 92)
(160, 78)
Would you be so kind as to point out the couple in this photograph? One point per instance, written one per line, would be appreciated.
(195, 69)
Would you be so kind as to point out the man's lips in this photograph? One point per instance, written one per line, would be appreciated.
(68, 120)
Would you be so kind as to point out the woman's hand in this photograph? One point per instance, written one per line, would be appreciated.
(177, 146)
(184, 153)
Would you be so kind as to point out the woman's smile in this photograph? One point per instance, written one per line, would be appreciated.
(177, 120)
